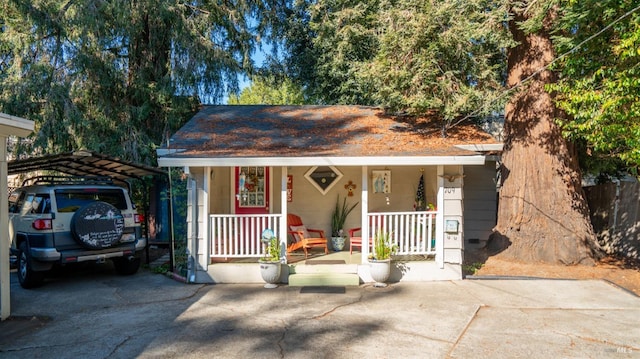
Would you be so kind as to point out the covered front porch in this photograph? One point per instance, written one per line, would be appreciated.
(239, 236)
(228, 245)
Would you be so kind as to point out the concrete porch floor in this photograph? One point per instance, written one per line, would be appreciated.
(316, 254)
(299, 258)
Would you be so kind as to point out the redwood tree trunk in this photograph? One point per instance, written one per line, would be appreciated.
(542, 215)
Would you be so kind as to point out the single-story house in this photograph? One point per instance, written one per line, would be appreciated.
(250, 166)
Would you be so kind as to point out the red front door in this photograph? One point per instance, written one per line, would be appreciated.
(252, 190)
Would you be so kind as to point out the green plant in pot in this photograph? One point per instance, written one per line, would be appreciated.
(380, 258)
(272, 252)
(270, 262)
(383, 247)
(338, 218)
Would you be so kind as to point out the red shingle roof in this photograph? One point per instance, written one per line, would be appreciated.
(301, 131)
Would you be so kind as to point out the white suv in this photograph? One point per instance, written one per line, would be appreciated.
(62, 220)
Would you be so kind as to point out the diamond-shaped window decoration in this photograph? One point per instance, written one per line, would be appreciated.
(323, 177)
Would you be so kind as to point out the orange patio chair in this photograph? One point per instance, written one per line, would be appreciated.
(356, 241)
(302, 236)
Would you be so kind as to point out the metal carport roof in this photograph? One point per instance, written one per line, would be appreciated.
(84, 163)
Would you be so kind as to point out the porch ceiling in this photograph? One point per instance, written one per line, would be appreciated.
(333, 135)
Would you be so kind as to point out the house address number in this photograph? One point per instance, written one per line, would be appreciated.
(452, 193)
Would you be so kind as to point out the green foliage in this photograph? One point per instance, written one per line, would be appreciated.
(272, 252)
(443, 58)
(339, 216)
(471, 269)
(383, 246)
(269, 91)
(118, 77)
(161, 269)
(600, 81)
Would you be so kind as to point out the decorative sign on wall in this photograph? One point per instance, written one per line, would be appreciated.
(323, 177)
(381, 181)
(289, 188)
(350, 187)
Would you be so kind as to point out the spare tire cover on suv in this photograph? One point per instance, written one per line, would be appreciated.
(97, 225)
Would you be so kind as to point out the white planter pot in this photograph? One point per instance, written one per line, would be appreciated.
(380, 271)
(270, 272)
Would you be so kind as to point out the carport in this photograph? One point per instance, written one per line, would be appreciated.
(87, 163)
(9, 126)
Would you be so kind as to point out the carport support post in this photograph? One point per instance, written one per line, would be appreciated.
(5, 298)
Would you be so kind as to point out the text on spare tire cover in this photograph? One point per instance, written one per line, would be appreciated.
(98, 225)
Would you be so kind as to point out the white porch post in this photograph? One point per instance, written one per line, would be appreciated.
(283, 211)
(192, 227)
(363, 215)
(16, 126)
(204, 245)
(440, 218)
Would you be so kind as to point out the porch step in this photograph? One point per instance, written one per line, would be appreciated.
(318, 274)
(323, 268)
(324, 280)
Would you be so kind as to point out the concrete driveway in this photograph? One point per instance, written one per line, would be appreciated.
(96, 314)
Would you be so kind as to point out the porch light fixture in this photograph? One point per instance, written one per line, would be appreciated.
(323, 177)
(452, 177)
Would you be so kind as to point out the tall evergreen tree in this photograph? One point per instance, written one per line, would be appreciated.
(542, 214)
(118, 76)
(441, 58)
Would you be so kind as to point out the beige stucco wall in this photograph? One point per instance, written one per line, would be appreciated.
(221, 190)
(315, 209)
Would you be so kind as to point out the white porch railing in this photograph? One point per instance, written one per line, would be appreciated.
(234, 235)
(412, 232)
(239, 236)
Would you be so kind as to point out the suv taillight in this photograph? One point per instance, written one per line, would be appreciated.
(41, 224)
(138, 218)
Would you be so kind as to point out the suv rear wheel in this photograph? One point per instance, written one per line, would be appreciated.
(27, 277)
(126, 266)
